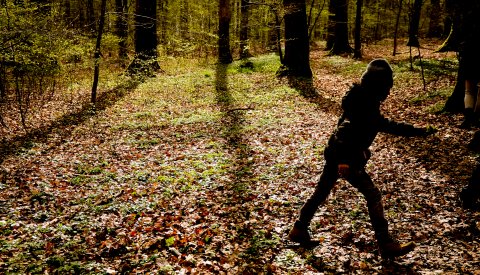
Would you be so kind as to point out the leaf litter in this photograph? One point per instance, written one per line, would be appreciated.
(193, 174)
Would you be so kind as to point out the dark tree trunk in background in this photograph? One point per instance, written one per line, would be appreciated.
(455, 103)
(97, 51)
(296, 61)
(68, 12)
(121, 29)
(341, 44)
(331, 25)
(90, 16)
(414, 24)
(434, 27)
(397, 23)
(244, 11)
(146, 40)
(184, 20)
(224, 17)
(162, 22)
(358, 30)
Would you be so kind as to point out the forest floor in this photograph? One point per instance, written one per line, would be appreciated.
(203, 168)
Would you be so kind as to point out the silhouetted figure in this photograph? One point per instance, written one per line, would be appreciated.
(347, 154)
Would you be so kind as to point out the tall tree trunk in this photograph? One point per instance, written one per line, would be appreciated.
(68, 12)
(434, 27)
(97, 51)
(414, 24)
(224, 17)
(244, 13)
(162, 22)
(397, 23)
(358, 31)
(122, 27)
(341, 44)
(146, 40)
(184, 20)
(91, 16)
(296, 61)
(331, 25)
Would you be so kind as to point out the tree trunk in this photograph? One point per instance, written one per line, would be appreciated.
(224, 17)
(121, 27)
(68, 12)
(184, 20)
(455, 103)
(244, 13)
(296, 61)
(397, 23)
(97, 51)
(358, 31)
(331, 25)
(146, 40)
(434, 27)
(341, 44)
(90, 16)
(162, 22)
(414, 24)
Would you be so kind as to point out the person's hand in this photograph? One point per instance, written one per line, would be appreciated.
(343, 170)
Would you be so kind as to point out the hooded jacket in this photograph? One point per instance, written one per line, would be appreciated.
(359, 125)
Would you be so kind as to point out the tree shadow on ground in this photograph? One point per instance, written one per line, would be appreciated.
(306, 89)
(239, 195)
(63, 124)
(233, 123)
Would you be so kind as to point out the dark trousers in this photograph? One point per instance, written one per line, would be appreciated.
(360, 180)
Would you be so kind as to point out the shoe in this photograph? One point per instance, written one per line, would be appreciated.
(469, 119)
(466, 124)
(299, 234)
(394, 249)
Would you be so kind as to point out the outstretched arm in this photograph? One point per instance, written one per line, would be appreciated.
(404, 129)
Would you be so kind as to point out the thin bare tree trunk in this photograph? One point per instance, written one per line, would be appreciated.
(397, 23)
(224, 17)
(244, 11)
(97, 52)
(358, 30)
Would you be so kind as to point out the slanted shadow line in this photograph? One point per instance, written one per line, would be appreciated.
(236, 195)
(233, 120)
(104, 100)
(304, 85)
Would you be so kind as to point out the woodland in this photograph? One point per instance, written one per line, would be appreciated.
(182, 137)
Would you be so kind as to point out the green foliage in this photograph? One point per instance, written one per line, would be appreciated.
(263, 64)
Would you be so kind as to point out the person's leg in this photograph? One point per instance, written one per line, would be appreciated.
(328, 178)
(361, 180)
(388, 246)
(469, 102)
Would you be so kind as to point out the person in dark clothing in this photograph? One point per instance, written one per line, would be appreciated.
(469, 57)
(347, 153)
